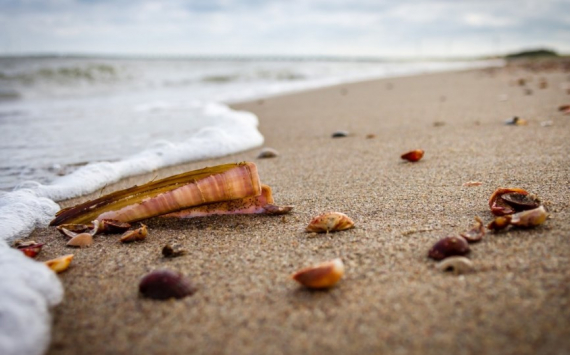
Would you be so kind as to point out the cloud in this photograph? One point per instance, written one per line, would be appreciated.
(295, 27)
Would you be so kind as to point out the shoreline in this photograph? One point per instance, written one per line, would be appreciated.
(392, 297)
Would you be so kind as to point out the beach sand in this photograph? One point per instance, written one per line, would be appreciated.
(392, 299)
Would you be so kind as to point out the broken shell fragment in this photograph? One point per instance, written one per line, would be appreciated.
(173, 250)
(81, 240)
(500, 222)
(521, 202)
(70, 230)
(472, 183)
(413, 156)
(564, 107)
(29, 248)
(340, 134)
(165, 284)
(323, 275)
(516, 121)
(449, 246)
(456, 264)
(530, 218)
(112, 226)
(476, 233)
(267, 153)
(135, 235)
(60, 264)
(511, 204)
(330, 222)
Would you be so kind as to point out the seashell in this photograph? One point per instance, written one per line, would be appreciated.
(262, 204)
(510, 204)
(330, 222)
(413, 156)
(112, 226)
(165, 284)
(81, 240)
(521, 202)
(199, 187)
(500, 222)
(563, 108)
(29, 248)
(70, 230)
(340, 134)
(516, 121)
(370, 136)
(449, 246)
(323, 275)
(173, 251)
(267, 153)
(530, 218)
(456, 264)
(60, 264)
(476, 233)
(135, 235)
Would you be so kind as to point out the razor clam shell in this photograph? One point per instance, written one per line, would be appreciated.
(194, 188)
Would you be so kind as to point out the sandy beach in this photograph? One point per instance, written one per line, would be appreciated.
(392, 299)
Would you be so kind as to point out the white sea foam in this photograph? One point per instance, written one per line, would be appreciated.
(28, 290)
(97, 121)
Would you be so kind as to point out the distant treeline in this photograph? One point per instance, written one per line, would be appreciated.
(532, 54)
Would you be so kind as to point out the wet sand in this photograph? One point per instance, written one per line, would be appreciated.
(392, 299)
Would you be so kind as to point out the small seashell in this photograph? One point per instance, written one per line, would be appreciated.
(71, 230)
(165, 284)
(60, 264)
(277, 210)
(476, 233)
(563, 108)
(134, 235)
(413, 156)
(546, 123)
(370, 136)
(439, 124)
(472, 183)
(530, 218)
(29, 248)
(499, 223)
(323, 275)
(111, 226)
(456, 264)
(330, 222)
(510, 204)
(516, 121)
(267, 153)
(520, 201)
(449, 246)
(340, 134)
(81, 240)
(173, 250)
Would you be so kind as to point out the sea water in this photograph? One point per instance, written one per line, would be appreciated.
(70, 126)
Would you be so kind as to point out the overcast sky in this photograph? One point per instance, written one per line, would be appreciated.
(294, 27)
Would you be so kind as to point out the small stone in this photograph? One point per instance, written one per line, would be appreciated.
(267, 153)
(340, 134)
(173, 250)
(165, 284)
(449, 246)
